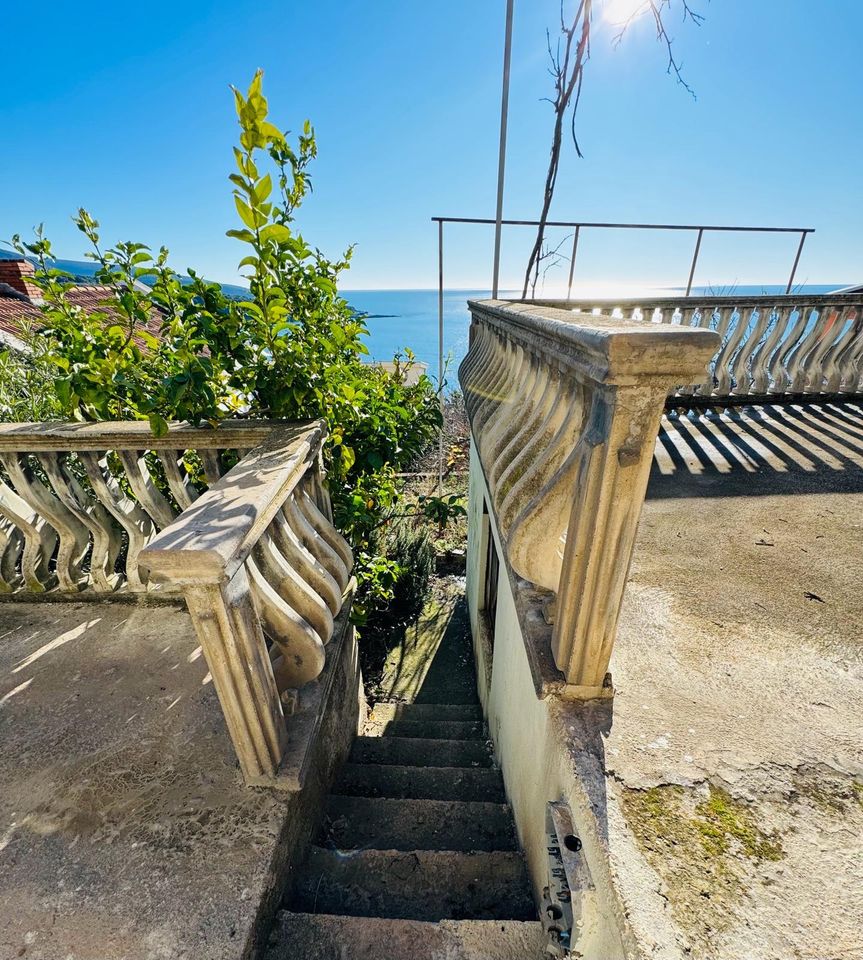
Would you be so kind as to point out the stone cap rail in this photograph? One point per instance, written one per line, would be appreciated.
(211, 539)
(564, 410)
(604, 348)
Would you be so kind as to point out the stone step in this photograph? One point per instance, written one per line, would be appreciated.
(421, 752)
(306, 936)
(428, 711)
(354, 823)
(433, 729)
(420, 783)
(415, 885)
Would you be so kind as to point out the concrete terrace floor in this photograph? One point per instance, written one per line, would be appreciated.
(733, 750)
(125, 829)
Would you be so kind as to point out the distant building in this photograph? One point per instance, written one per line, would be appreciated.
(20, 298)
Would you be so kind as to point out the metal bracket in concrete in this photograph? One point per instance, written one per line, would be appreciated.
(569, 882)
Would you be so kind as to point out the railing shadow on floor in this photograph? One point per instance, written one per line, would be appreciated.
(770, 449)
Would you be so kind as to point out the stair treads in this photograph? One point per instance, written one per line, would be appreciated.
(354, 823)
(435, 729)
(323, 937)
(414, 751)
(415, 885)
(430, 711)
(420, 783)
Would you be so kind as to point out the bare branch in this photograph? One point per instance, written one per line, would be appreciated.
(567, 60)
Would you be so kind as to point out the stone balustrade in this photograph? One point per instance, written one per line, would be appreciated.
(79, 501)
(100, 509)
(772, 347)
(257, 555)
(564, 410)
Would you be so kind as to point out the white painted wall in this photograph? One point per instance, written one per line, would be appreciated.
(529, 741)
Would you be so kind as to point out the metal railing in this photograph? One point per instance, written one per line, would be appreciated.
(698, 229)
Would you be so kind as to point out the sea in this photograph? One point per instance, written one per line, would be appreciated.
(402, 320)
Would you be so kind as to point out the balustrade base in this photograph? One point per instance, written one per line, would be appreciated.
(312, 703)
(575, 691)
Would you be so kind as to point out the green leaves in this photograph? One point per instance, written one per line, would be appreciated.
(158, 425)
(180, 349)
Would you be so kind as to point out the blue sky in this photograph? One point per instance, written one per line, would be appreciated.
(126, 110)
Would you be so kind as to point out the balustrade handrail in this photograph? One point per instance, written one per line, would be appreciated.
(693, 300)
(130, 435)
(564, 409)
(211, 539)
(255, 555)
(783, 347)
(603, 347)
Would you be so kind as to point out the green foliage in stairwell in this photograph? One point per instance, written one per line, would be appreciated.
(164, 346)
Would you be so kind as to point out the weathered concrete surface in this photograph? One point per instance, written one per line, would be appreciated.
(719, 796)
(734, 759)
(125, 828)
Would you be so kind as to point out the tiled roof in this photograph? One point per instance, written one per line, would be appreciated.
(90, 297)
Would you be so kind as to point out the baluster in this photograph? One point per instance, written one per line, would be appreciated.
(813, 375)
(498, 385)
(545, 436)
(40, 540)
(779, 374)
(852, 365)
(138, 526)
(212, 465)
(741, 366)
(529, 413)
(145, 490)
(323, 527)
(843, 363)
(815, 330)
(503, 419)
(764, 354)
(544, 458)
(319, 564)
(286, 580)
(106, 540)
(74, 540)
(486, 370)
(319, 494)
(302, 653)
(11, 547)
(723, 372)
(178, 481)
(474, 366)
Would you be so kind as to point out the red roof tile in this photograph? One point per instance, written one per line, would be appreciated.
(90, 297)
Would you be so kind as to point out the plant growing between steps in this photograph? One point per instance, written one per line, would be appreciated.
(166, 346)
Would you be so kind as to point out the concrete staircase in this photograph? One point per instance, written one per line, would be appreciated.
(417, 857)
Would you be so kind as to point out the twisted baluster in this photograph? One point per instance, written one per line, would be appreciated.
(74, 540)
(138, 526)
(107, 542)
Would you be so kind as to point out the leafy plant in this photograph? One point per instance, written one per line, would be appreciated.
(162, 346)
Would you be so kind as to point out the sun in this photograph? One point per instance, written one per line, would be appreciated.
(618, 12)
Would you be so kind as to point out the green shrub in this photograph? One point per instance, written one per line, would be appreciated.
(293, 349)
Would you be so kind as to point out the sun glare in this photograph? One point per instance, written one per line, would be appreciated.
(619, 12)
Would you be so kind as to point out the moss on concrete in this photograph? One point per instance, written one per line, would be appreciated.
(722, 821)
(707, 850)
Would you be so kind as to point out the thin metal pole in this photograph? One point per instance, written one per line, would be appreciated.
(796, 261)
(572, 262)
(694, 261)
(501, 159)
(440, 353)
